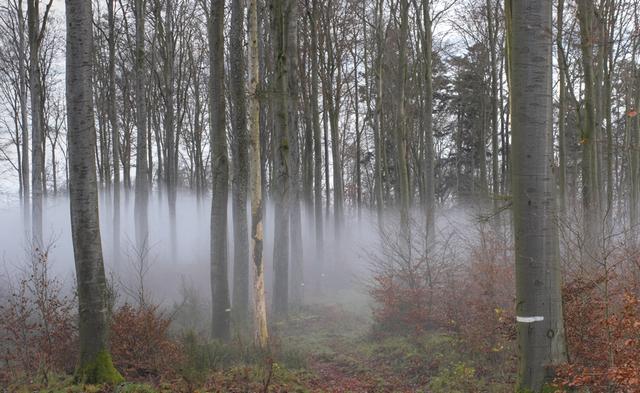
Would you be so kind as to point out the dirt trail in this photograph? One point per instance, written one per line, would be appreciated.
(341, 352)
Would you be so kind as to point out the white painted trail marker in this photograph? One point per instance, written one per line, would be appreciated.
(529, 319)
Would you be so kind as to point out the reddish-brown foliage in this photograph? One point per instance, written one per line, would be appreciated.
(602, 319)
(37, 324)
(140, 343)
(475, 299)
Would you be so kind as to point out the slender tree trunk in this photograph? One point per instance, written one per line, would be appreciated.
(220, 325)
(358, 158)
(540, 328)
(317, 143)
(260, 307)
(493, 49)
(401, 131)
(429, 175)
(240, 309)
(562, 110)
(281, 161)
(37, 131)
(115, 133)
(377, 128)
(588, 134)
(22, 67)
(95, 362)
(142, 169)
(297, 257)
(171, 165)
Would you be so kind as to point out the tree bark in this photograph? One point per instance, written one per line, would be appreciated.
(142, 165)
(37, 129)
(95, 362)
(281, 161)
(541, 339)
(220, 326)
(590, 204)
(317, 144)
(297, 257)
(401, 131)
(115, 133)
(562, 110)
(260, 307)
(240, 309)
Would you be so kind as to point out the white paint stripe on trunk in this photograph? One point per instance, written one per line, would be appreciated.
(529, 319)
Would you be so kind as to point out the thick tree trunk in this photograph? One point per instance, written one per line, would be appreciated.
(260, 307)
(95, 362)
(220, 325)
(541, 339)
(240, 309)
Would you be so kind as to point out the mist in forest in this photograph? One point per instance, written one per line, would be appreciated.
(346, 263)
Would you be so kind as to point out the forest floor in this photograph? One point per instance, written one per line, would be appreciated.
(328, 347)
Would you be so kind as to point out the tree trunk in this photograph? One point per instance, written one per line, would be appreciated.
(260, 307)
(317, 144)
(95, 362)
(220, 326)
(37, 130)
(171, 165)
(115, 133)
(142, 169)
(588, 134)
(240, 309)
(429, 175)
(297, 257)
(401, 131)
(540, 328)
(562, 110)
(22, 66)
(493, 48)
(377, 129)
(281, 161)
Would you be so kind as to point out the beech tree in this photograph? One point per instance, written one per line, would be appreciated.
(540, 327)
(95, 362)
(221, 318)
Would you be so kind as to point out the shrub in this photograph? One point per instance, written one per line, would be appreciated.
(37, 324)
(140, 344)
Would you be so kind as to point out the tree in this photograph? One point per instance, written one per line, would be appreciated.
(241, 169)
(401, 131)
(429, 157)
(95, 362)
(36, 34)
(281, 160)
(220, 325)
(142, 163)
(538, 301)
(260, 307)
(317, 140)
(295, 225)
(115, 133)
